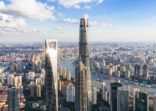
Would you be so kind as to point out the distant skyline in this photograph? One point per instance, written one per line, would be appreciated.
(110, 20)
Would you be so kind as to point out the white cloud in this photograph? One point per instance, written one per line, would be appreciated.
(91, 23)
(76, 3)
(60, 15)
(13, 25)
(2, 5)
(103, 24)
(28, 8)
(87, 7)
(100, 1)
(59, 28)
(77, 6)
(70, 21)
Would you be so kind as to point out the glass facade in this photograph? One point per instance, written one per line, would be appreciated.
(51, 79)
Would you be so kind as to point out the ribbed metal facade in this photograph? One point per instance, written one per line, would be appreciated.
(83, 75)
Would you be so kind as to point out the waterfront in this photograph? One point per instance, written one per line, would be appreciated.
(98, 78)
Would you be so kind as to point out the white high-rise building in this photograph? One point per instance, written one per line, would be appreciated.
(14, 81)
(18, 81)
(38, 81)
(1, 77)
(104, 92)
(10, 80)
(38, 91)
(31, 76)
(64, 73)
(68, 76)
(42, 78)
(94, 95)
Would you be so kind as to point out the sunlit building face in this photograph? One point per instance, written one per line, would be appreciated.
(51, 79)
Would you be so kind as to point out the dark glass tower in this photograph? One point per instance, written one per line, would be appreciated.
(145, 71)
(13, 99)
(114, 88)
(137, 70)
(122, 99)
(51, 78)
(83, 76)
(141, 101)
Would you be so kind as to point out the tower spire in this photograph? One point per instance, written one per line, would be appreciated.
(83, 43)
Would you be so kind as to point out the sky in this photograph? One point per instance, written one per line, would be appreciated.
(109, 20)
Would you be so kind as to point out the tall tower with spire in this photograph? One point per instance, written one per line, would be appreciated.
(83, 42)
(83, 75)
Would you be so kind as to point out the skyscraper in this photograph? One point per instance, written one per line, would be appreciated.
(154, 105)
(122, 99)
(13, 99)
(137, 70)
(104, 92)
(81, 99)
(145, 71)
(141, 101)
(51, 79)
(113, 101)
(1, 77)
(70, 94)
(94, 95)
(83, 76)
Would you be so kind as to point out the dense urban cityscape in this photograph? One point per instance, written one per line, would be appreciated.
(78, 77)
(77, 55)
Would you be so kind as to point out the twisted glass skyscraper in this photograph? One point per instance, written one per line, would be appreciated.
(83, 76)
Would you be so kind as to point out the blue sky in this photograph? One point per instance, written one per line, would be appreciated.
(110, 20)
